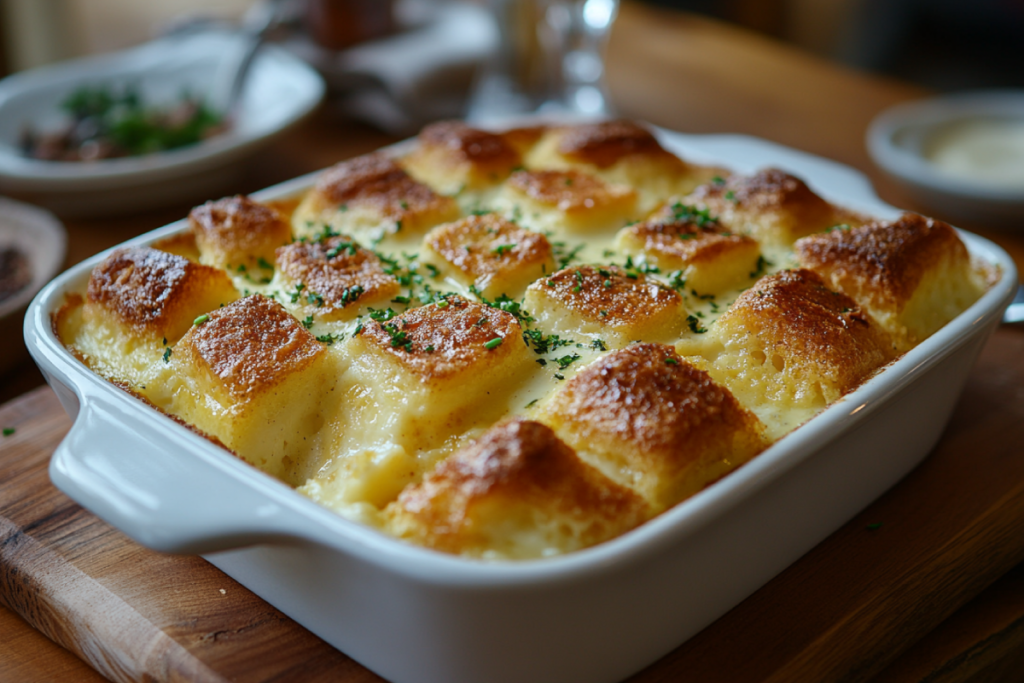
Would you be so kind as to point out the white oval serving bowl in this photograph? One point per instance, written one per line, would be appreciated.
(898, 139)
(280, 91)
(595, 616)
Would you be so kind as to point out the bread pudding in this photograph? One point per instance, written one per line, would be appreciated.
(517, 344)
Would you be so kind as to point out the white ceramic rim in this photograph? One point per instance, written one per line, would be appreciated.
(921, 115)
(33, 175)
(329, 529)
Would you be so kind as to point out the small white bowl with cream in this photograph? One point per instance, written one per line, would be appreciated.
(962, 155)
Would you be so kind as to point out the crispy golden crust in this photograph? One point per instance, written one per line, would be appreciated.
(771, 205)
(882, 262)
(337, 274)
(455, 143)
(250, 346)
(377, 182)
(237, 230)
(489, 248)
(607, 295)
(646, 408)
(471, 499)
(439, 341)
(809, 333)
(155, 293)
(568, 191)
(605, 143)
(678, 243)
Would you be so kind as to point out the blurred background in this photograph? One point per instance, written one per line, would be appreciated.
(941, 44)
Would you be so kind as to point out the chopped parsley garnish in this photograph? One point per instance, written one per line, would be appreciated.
(350, 294)
(429, 349)
(359, 328)
(399, 338)
(528, 405)
(559, 376)
(502, 249)
(264, 264)
(718, 180)
(598, 345)
(671, 361)
(493, 344)
(349, 247)
(442, 304)
(482, 321)
(382, 316)
(873, 527)
(691, 214)
(564, 257)
(842, 226)
(731, 196)
(566, 361)
(542, 343)
(297, 293)
(762, 265)
(10, 430)
(695, 325)
(401, 300)
(330, 338)
(315, 298)
(167, 354)
(201, 319)
(504, 303)
(308, 322)
(676, 280)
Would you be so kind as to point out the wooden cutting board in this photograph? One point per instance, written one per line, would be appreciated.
(851, 609)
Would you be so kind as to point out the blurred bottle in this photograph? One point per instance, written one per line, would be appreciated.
(338, 24)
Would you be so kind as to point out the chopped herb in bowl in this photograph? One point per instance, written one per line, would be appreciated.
(106, 123)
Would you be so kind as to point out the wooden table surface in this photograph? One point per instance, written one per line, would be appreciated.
(699, 76)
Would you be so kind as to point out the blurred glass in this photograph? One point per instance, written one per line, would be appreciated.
(550, 59)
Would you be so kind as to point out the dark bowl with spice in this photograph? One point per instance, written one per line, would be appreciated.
(32, 246)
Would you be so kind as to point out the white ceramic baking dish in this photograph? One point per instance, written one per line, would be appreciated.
(417, 616)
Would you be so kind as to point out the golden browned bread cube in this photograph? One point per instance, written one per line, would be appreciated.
(653, 422)
(771, 206)
(254, 377)
(334, 278)
(569, 200)
(606, 303)
(438, 369)
(620, 152)
(451, 156)
(369, 197)
(517, 492)
(709, 257)
(791, 341)
(236, 231)
(154, 295)
(913, 275)
(494, 255)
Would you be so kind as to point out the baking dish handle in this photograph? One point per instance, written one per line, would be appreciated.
(149, 479)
